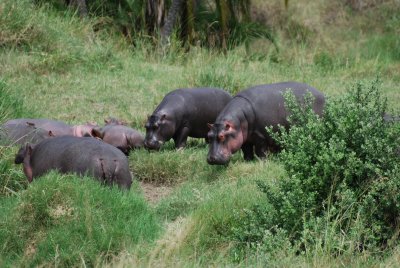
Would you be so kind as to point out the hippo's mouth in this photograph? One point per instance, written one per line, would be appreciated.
(212, 160)
(153, 145)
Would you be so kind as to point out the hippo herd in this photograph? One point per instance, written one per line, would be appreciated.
(227, 123)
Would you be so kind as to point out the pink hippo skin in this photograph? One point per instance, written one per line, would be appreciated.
(120, 136)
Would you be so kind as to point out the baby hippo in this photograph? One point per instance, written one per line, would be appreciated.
(69, 154)
(120, 136)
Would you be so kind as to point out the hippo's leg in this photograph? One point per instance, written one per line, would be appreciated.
(181, 137)
(260, 151)
(248, 152)
(27, 167)
(272, 145)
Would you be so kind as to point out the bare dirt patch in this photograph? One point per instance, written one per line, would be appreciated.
(153, 192)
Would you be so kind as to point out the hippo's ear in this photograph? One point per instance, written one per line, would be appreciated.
(210, 125)
(91, 124)
(97, 133)
(51, 134)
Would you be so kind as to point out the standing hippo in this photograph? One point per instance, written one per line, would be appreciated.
(242, 123)
(58, 128)
(184, 113)
(11, 134)
(120, 136)
(77, 155)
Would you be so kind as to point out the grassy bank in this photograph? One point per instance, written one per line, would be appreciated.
(54, 65)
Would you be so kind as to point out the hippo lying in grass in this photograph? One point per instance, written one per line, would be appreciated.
(184, 113)
(58, 128)
(120, 136)
(22, 133)
(69, 154)
(241, 124)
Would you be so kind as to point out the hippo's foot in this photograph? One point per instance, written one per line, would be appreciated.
(248, 152)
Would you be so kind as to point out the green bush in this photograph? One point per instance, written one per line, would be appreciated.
(65, 220)
(342, 190)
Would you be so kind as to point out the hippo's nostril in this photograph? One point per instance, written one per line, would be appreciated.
(211, 159)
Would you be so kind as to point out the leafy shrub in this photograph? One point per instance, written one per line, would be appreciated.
(342, 189)
(69, 221)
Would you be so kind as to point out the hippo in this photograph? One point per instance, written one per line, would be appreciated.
(388, 118)
(11, 134)
(120, 136)
(58, 128)
(242, 123)
(184, 113)
(80, 155)
(114, 121)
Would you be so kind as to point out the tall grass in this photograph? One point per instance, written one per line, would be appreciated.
(58, 66)
(66, 220)
(11, 106)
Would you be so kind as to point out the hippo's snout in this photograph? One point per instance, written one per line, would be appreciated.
(152, 144)
(217, 160)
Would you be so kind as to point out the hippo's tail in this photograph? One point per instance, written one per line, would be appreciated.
(20, 156)
(112, 173)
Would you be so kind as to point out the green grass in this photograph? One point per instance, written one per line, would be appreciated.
(65, 220)
(55, 66)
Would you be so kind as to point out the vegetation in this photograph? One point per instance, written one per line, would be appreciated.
(343, 178)
(62, 220)
(217, 24)
(328, 201)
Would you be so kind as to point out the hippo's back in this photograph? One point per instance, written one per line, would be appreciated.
(21, 134)
(210, 99)
(82, 155)
(38, 122)
(268, 101)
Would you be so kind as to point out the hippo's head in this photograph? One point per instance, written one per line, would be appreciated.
(84, 130)
(159, 129)
(122, 137)
(224, 140)
(114, 121)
